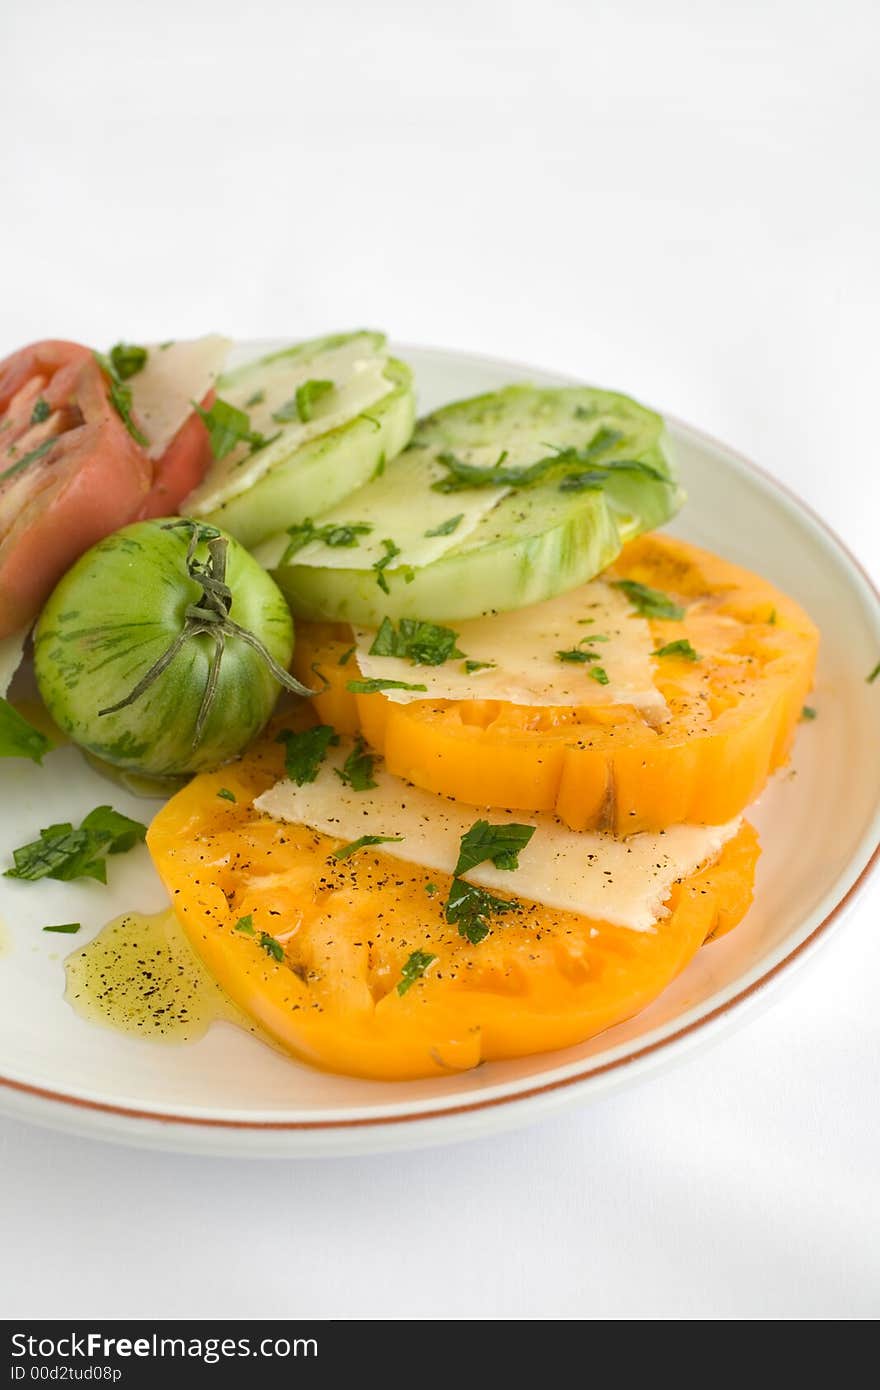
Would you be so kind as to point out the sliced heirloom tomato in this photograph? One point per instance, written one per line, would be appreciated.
(732, 713)
(181, 467)
(315, 949)
(70, 472)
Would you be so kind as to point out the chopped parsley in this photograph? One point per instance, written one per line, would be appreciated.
(345, 851)
(64, 853)
(302, 405)
(334, 534)
(28, 458)
(305, 751)
(65, 928)
(577, 654)
(772, 618)
(228, 427)
(500, 843)
(447, 527)
(423, 644)
(256, 399)
(414, 968)
(571, 466)
(128, 359)
(874, 674)
(346, 656)
(245, 925)
(18, 738)
(271, 946)
(808, 712)
(357, 770)
(651, 603)
(431, 889)
(680, 648)
(226, 795)
(469, 908)
(599, 675)
(377, 683)
(41, 411)
(120, 397)
(471, 666)
(391, 553)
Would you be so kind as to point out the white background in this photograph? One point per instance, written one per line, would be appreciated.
(676, 199)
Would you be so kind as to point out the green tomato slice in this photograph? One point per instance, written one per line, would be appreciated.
(332, 410)
(436, 537)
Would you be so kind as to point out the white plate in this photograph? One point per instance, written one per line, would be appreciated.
(819, 823)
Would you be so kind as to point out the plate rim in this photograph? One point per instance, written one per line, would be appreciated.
(52, 1104)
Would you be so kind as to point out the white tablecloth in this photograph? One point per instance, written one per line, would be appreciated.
(679, 200)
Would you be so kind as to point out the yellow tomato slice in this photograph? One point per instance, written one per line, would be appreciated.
(542, 979)
(732, 719)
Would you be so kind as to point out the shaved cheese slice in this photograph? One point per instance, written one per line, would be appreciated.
(625, 882)
(11, 650)
(357, 371)
(384, 504)
(522, 646)
(174, 376)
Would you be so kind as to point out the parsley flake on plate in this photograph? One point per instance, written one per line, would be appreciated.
(128, 359)
(391, 552)
(30, 457)
(304, 752)
(334, 534)
(271, 945)
(377, 683)
(447, 527)
(18, 738)
(470, 908)
(228, 427)
(120, 396)
(500, 843)
(680, 648)
(423, 644)
(650, 603)
(413, 969)
(577, 654)
(64, 853)
(363, 842)
(357, 770)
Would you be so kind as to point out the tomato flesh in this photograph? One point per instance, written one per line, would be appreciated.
(182, 466)
(70, 473)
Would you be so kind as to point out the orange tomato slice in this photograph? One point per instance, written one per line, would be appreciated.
(733, 713)
(344, 931)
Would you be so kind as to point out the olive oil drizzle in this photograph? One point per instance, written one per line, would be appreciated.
(140, 976)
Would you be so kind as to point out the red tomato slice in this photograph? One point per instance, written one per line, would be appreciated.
(182, 466)
(70, 473)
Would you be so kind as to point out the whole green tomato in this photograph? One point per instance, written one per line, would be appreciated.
(164, 649)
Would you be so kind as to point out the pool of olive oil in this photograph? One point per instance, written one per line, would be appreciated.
(140, 976)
